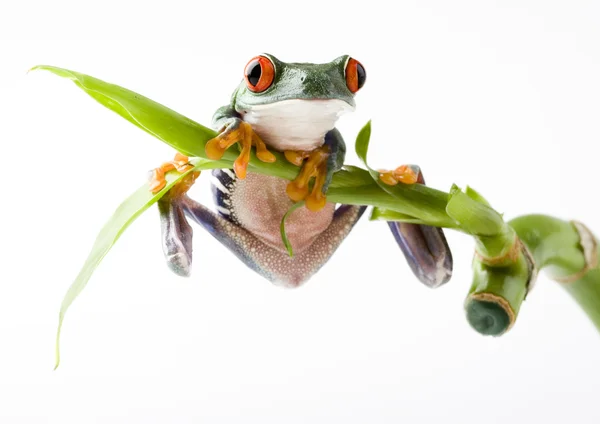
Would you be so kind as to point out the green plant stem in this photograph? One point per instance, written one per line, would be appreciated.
(496, 295)
(501, 271)
(557, 248)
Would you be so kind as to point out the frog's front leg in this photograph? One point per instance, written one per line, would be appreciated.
(274, 264)
(233, 130)
(157, 179)
(320, 163)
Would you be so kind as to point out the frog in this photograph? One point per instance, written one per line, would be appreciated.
(291, 108)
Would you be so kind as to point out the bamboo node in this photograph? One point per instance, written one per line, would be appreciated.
(588, 243)
(508, 257)
(533, 269)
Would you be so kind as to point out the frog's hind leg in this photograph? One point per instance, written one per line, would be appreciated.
(274, 264)
(176, 237)
(176, 232)
(425, 248)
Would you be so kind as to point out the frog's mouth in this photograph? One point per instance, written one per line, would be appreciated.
(295, 124)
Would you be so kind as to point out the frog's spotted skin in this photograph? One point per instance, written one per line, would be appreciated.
(257, 204)
(272, 263)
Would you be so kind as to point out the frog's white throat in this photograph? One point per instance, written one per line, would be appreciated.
(295, 124)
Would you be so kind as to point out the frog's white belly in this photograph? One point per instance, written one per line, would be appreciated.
(295, 124)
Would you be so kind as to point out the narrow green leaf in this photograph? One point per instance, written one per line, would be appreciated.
(417, 199)
(176, 130)
(473, 217)
(475, 195)
(123, 216)
(351, 176)
(383, 214)
(172, 128)
(454, 189)
(362, 143)
(284, 237)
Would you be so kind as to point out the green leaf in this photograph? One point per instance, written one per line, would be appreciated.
(383, 214)
(181, 133)
(475, 195)
(474, 217)
(362, 143)
(125, 214)
(284, 237)
(417, 200)
(172, 128)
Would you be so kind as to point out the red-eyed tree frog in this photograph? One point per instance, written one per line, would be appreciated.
(291, 108)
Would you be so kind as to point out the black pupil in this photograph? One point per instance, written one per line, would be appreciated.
(253, 71)
(362, 75)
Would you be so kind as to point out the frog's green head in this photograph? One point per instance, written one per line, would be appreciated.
(268, 80)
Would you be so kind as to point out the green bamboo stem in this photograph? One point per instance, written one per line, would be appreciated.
(496, 295)
(502, 269)
(559, 249)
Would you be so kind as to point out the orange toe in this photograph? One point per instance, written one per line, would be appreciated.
(214, 150)
(315, 202)
(297, 158)
(314, 166)
(405, 174)
(296, 192)
(157, 181)
(246, 137)
(387, 177)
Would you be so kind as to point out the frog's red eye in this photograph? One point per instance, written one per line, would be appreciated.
(259, 74)
(355, 75)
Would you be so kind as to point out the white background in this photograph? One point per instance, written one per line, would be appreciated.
(503, 96)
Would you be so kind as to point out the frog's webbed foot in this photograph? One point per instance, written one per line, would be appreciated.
(238, 131)
(406, 174)
(157, 180)
(314, 164)
(320, 163)
(424, 247)
(176, 232)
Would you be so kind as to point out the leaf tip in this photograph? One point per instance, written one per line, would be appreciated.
(284, 238)
(65, 73)
(455, 190)
(56, 359)
(41, 68)
(290, 250)
(57, 346)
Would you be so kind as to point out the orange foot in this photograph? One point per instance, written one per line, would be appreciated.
(182, 186)
(314, 166)
(242, 133)
(157, 182)
(405, 174)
